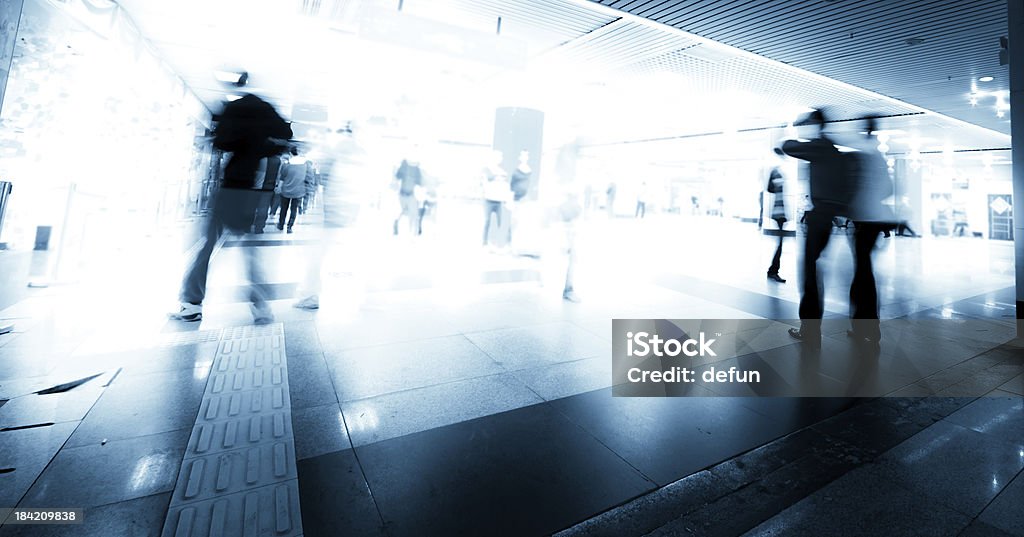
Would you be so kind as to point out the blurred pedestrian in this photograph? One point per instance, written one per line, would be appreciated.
(496, 192)
(641, 201)
(291, 186)
(342, 173)
(408, 177)
(869, 177)
(776, 187)
(266, 187)
(250, 129)
(829, 197)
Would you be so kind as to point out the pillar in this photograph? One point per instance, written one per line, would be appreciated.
(1015, 31)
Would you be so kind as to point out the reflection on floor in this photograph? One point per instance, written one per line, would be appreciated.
(463, 398)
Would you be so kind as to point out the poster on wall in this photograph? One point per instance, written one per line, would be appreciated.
(10, 17)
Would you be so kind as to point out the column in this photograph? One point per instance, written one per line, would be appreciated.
(1015, 29)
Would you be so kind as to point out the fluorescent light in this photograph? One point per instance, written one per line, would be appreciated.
(986, 79)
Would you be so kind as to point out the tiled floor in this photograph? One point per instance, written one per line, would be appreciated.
(460, 397)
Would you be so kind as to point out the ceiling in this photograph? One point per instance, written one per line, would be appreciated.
(623, 71)
(863, 43)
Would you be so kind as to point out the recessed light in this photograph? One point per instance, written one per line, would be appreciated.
(914, 41)
(986, 79)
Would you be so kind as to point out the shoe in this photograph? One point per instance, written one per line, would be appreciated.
(280, 227)
(188, 313)
(309, 303)
(776, 277)
(571, 296)
(261, 314)
(289, 229)
(259, 231)
(815, 342)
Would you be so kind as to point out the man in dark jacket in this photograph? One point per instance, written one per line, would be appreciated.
(250, 129)
(830, 195)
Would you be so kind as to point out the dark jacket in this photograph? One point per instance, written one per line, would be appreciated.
(830, 189)
(244, 129)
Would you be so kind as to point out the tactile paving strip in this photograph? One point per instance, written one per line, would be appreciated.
(238, 477)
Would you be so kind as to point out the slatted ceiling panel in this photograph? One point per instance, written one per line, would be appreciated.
(616, 45)
(960, 41)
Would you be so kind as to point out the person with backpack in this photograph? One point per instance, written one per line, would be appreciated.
(869, 177)
(250, 129)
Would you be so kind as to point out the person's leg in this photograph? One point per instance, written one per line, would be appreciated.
(284, 212)
(568, 290)
(490, 208)
(863, 290)
(193, 286)
(812, 307)
(295, 206)
(773, 270)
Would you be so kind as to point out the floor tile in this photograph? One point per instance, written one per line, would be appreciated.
(309, 380)
(1004, 512)
(932, 463)
(143, 405)
(650, 433)
(319, 430)
(1000, 417)
(72, 405)
(27, 452)
(381, 328)
(411, 411)
(464, 479)
(118, 471)
(981, 529)
(334, 497)
(1015, 385)
(568, 378)
(301, 338)
(372, 371)
(520, 348)
(141, 517)
(862, 503)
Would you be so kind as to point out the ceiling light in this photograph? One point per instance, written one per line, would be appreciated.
(986, 79)
(226, 76)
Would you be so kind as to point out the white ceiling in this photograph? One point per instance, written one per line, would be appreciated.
(614, 74)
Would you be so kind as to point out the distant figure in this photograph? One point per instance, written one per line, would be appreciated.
(496, 192)
(292, 185)
(408, 177)
(776, 185)
(272, 167)
(829, 197)
(341, 171)
(568, 211)
(250, 130)
(520, 184)
(612, 190)
(871, 184)
(641, 201)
